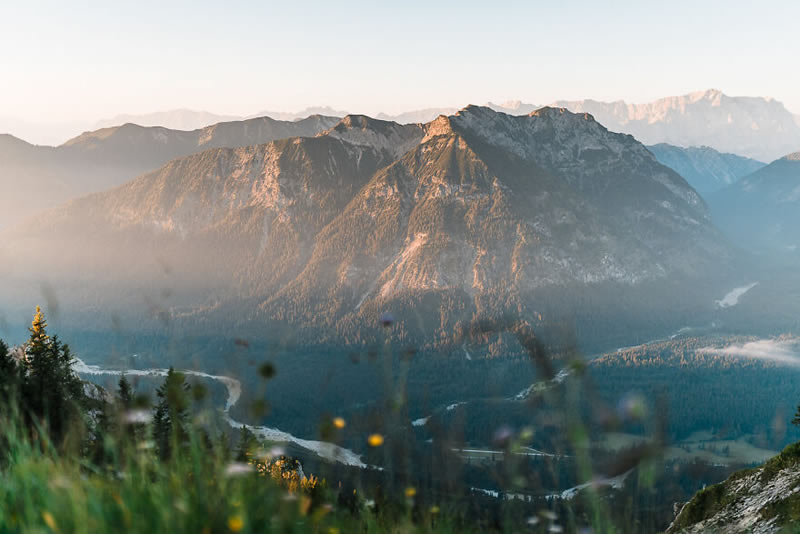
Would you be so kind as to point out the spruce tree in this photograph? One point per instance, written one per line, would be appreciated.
(171, 414)
(9, 375)
(52, 394)
(247, 443)
(125, 393)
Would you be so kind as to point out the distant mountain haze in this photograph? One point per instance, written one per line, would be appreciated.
(758, 128)
(176, 119)
(754, 127)
(33, 178)
(706, 169)
(474, 214)
(762, 210)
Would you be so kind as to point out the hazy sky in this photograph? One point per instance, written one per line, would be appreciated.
(82, 61)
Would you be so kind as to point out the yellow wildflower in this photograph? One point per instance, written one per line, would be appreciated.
(339, 423)
(305, 505)
(235, 524)
(375, 440)
(47, 516)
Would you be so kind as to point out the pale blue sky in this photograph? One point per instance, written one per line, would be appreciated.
(83, 60)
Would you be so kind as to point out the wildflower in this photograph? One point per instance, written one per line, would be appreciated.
(146, 445)
(502, 436)
(333, 530)
(526, 434)
(305, 505)
(555, 529)
(237, 469)
(632, 407)
(410, 492)
(133, 417)
(339, 423)
(375, 440)
(533, 521)
(547, 514)
(48, 519)
(235, 524)
(434, 509)
(60, 482)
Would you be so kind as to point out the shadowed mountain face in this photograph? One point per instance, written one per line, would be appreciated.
(762, 210)
(33, 178)
(475, 214)
(703, 167)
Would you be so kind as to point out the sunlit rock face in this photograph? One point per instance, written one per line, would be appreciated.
(468, 214)
(33, 178)
(759, 128)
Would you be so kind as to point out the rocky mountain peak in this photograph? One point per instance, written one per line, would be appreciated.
(712, 95)
(370, 214)
(385, 136)
(549, 136)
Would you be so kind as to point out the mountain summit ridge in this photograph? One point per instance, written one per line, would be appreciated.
(756, 127)
(473, 213)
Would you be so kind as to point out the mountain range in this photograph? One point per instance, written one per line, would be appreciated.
(706, 169)
(474, 214)
(34, 177)
(754, 127)
(762, 210)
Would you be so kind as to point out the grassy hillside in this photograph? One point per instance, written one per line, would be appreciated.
(763, 499)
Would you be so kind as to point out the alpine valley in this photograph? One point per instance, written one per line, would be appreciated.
(527, 309)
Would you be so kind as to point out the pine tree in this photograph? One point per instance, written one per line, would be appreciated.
(9, 375)
(171, 414)
(125, 393)
(247, 443)
(796, 420)
(52, 393)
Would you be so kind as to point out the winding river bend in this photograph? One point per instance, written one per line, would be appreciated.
(326, 450)
(331, 451)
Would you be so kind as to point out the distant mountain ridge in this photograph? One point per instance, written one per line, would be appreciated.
(33, 178)
(755, 127)
(706, 169)
(473, 214)
(762, 210)
(189, 119)
(176, 119)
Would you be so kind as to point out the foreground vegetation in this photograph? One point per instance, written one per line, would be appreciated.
(75, 457)
(758, 499)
